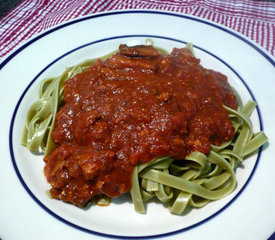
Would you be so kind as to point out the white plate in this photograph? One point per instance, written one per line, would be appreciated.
(27, 212)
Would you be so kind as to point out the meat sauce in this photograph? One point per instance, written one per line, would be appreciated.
(135, 106)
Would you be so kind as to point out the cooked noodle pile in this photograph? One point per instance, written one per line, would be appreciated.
(190, 182)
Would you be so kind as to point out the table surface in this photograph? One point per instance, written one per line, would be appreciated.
(6, 6)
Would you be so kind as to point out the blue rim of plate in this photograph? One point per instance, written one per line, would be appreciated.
(11, 56)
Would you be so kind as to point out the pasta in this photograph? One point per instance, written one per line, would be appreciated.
(191, 182)
(202, 178)
(40, 118)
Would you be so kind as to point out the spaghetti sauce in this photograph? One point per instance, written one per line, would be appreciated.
(135, 106)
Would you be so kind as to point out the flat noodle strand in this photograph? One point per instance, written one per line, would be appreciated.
(41, 115)
(195, 181)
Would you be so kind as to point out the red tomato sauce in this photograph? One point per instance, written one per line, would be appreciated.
(135, 106)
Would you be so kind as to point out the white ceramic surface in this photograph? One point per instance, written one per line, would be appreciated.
(27, 212)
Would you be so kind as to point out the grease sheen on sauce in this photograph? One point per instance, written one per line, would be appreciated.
(135, 106)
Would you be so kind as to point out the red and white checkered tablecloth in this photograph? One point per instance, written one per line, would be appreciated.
(255, 19)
